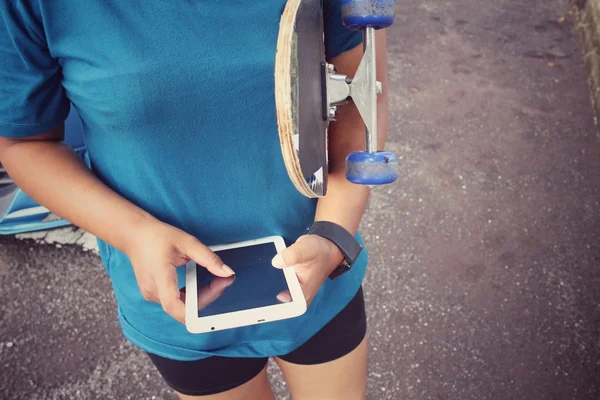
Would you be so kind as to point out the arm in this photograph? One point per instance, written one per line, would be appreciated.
(52, 174)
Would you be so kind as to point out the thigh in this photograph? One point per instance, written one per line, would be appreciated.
(219, 378)
(332, 364)
(342, 379)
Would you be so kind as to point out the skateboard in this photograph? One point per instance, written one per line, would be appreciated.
(308, 91)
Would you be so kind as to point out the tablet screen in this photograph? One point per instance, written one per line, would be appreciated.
(256, 283)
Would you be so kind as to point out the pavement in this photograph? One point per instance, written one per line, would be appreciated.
(485, 259)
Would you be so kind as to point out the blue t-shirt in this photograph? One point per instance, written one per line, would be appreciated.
(177, 105)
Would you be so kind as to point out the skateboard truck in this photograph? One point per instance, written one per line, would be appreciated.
(370, 167)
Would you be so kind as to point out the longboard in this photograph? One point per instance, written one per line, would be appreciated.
(308, 91)
(299, 91)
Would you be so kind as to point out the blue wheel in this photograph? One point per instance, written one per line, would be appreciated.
(366, 168)
(360, 14)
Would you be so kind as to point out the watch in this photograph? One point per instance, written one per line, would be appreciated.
(344, 240)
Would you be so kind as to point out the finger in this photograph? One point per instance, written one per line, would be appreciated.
(148, 291)
(301, 252)
(206, 258)
(212, 292)
(169, 294)
(284, 297)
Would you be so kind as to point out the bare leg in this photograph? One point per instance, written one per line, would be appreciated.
(341, 379)
(256, 389)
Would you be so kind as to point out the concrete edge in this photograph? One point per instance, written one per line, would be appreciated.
(588, 29)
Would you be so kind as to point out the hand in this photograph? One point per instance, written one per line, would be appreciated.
(314, 258)
(156, 251)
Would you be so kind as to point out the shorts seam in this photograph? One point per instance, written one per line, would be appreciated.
(215, 390)
(347, 350)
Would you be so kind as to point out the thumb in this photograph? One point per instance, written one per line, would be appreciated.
(169, 295)
(206, 258)
(302, 252)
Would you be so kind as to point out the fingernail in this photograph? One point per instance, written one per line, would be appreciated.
(228, 270)
(284, 297)
(278, 262)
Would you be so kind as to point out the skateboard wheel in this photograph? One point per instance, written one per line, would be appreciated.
(366, 168)
(360, 14)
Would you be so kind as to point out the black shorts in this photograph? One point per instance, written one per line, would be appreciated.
(216, 374)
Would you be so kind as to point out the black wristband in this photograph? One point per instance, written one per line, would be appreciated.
(344, 240)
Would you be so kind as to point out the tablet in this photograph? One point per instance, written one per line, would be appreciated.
(249, 297)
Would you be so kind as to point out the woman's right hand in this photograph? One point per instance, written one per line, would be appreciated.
(51, 173)
(155, 251)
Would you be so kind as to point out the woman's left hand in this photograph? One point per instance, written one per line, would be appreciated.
(314, 258)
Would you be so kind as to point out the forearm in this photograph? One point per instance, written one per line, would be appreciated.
(53, 175)
(344, 204)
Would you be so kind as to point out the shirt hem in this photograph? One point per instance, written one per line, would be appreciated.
(153, 350)
(16, 131)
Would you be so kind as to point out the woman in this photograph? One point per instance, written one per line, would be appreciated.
(177, 105)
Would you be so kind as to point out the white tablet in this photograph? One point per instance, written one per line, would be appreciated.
(250, 297)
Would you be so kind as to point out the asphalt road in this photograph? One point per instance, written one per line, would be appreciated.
(485, 255)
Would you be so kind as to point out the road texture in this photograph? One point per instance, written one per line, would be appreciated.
(485, 260)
